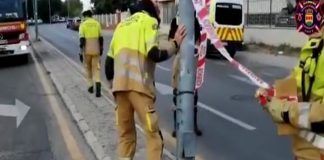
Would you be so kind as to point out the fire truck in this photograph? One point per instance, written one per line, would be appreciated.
(228, 19)
(14, 39)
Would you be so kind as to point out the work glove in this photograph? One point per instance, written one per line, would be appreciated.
(81, 57)
(271, 104)
(264, 95)
(277, 108)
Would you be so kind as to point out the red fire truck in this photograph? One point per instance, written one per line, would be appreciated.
(14, 39)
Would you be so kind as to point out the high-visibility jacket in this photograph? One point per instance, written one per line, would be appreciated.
(90, 29)
(307, 116)
(313, 67)
(132, 40)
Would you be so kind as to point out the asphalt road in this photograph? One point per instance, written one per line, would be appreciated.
(39, 136)
(234, 125)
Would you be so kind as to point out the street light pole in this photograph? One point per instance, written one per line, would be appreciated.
(186, 138)
(68, 8)
(36, 18)
(26, 8)
(50, 11)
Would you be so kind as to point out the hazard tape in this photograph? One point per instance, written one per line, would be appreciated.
(202, 15)
(200, 73)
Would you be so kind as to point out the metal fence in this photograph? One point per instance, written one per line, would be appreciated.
(257, 13)
(268, 13)
(111, 20)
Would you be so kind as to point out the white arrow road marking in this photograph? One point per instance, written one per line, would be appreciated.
(19, 110)
(163, 68)
(167, 90)
(243, 79)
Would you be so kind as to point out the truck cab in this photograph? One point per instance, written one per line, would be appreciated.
(228, 19)
(14, 39)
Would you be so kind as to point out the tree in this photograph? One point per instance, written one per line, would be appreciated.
(110, 6)
(75, 8)
(57, 8)
(43, 8)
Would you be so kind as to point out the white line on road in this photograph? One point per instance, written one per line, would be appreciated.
(163, 68)
(167, 90)
(227, 117)
(242, 79)
(268, 74)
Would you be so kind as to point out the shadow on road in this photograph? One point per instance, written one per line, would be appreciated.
(13, 61)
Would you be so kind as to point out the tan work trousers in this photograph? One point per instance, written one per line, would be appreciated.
(129, 102)
(92, 66)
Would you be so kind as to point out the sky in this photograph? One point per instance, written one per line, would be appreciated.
(86, 4)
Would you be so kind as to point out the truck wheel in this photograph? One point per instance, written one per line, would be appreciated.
(23, 59)
(231, 50)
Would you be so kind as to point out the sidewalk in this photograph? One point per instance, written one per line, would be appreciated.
(95, 117)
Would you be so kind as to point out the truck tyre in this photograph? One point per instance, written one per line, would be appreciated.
(23, 59)
(231, 50)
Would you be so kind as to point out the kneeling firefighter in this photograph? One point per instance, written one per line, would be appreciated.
(130, 65)
(302, 120)
(91, 44)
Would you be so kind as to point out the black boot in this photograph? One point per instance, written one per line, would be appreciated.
(98, 89)
(90, 89)
(197, 131)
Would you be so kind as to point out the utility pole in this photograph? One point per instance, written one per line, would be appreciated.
(247, 12)
(186, 138)
(68, 8)
(36, 18)
(270, 19)
(50, 11)
(26, 8)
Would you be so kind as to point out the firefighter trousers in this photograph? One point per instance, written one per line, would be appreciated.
(92, 66)
(128, 103)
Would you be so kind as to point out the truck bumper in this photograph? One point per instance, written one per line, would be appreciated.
(21, 48)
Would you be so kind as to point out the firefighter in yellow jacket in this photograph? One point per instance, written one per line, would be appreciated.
(91, 44)
(130, 66)
(303, 120)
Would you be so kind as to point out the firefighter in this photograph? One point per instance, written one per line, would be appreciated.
(303, 120)
(130, 65)
(176, 72)
(91, 44)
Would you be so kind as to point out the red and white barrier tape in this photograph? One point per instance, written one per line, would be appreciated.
(202, 15)
(200, 74)
(201, 60)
